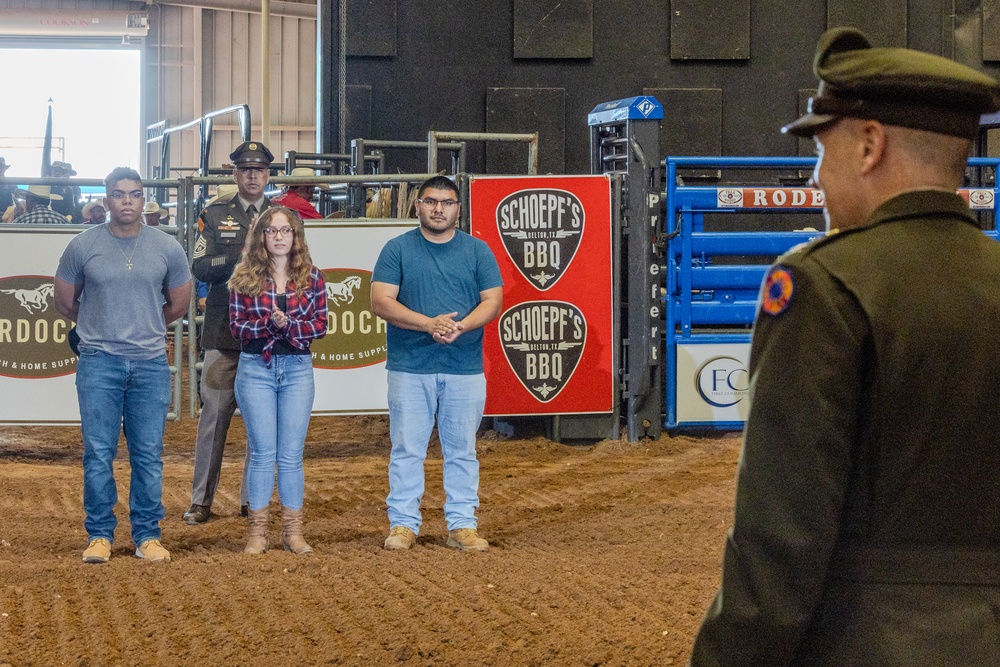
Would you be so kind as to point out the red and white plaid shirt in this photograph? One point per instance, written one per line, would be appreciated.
(250, 316)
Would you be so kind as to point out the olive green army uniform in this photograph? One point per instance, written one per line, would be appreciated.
(867, 527)
(225, 225)
(867, 521)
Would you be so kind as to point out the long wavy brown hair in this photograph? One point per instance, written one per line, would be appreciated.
(253, 272)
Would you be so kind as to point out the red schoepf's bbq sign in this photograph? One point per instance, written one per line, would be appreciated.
(551, 350)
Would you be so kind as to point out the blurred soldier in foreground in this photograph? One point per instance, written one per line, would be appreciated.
(867, 525)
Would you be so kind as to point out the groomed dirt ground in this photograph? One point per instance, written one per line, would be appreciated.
(606, 554)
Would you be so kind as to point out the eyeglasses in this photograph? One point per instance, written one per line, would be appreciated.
(432, 204)
(278, 231)
(118, 195)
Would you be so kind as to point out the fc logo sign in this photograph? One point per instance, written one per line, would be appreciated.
(722, 381)
(541, 231)
(543, 342)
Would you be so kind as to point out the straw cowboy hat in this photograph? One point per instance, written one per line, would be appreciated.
(89, 206)
(303, 172)
(42, 192)
(153, 207)
(224, 191)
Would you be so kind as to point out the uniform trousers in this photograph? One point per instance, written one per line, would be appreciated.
(218, 403)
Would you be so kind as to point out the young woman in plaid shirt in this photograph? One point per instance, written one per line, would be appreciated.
(277, 306)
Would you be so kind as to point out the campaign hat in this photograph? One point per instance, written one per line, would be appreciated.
(894, 86)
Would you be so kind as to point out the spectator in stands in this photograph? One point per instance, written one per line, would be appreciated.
(7, 190)
(68, 204)
(299, 197)
(36, 207)
(436, 287)
(277, 307)
(867, 529)
(224, 224)
(122, 284)
(93, 213)
(153, 214)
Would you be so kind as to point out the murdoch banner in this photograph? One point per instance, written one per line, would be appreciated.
(551, 350)
(37, 368)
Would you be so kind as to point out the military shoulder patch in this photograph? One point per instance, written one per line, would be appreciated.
(777, 292)
(200, 247)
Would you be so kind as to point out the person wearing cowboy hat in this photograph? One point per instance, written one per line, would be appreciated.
(298, 197)
(94, 213)
(153, 214)
(6, 189)
(36, 204)
(70, 194)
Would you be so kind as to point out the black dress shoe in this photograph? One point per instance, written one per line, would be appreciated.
(197, 514)
(244, 510)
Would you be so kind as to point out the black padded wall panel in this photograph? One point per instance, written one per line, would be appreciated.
(553, 28)
(371, 27)
(710, 29)
(359, 112)
(525, 110)
(692, 120)
(884, 22)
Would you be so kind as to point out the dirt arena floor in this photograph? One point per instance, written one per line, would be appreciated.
(603, 554)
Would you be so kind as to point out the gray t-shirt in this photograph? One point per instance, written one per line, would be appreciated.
(121, 309)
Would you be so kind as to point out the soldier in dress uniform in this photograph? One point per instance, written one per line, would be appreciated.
(867, 522)
(224, 224)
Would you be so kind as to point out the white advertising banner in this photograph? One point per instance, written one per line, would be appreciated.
(350, 359)
(37, 368)
(712, 382)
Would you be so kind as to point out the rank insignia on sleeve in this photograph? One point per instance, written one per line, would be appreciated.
(777, 292)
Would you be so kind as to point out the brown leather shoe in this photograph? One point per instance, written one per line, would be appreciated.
(466, 539)
(197, 514)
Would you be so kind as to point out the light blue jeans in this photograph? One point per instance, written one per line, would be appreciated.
(276, 403)
(414, 400)
(113, 390)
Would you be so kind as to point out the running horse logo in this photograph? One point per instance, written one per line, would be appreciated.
(343, 292)
(33, 300)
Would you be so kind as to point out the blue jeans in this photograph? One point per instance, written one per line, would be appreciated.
(113, 390)
(276, 403)
(414, 400)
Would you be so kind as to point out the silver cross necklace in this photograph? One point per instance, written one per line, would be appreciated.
(128, 257)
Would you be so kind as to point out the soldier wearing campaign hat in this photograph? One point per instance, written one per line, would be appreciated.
(224, 225)
(866, 528)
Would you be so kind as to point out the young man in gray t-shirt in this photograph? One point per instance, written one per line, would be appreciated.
(122, 282)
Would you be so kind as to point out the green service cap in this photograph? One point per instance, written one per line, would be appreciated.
(251, 153)
(894, 86)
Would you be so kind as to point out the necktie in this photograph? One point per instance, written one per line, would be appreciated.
(252, 214)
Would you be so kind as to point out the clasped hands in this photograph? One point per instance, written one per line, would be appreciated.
(279, 318)
(444, 328)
